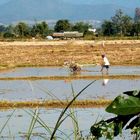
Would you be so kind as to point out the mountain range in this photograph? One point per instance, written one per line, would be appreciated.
(31, 10)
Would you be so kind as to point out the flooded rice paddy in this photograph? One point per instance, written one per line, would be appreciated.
(61, 89)
(19, 123)
(64, 71)
(45, 89)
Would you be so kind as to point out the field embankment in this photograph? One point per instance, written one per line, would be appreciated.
(54, 104)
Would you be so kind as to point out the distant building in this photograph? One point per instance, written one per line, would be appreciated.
(49, 37)
(73, 34)
(67, 35)
(92, 30)
(58, 35)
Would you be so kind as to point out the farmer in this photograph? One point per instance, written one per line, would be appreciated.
(74, 67)
(105, 63)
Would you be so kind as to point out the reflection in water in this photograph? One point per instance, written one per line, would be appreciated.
(75, 73)
(105, 82)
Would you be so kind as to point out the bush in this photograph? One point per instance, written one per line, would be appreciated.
(8, 35)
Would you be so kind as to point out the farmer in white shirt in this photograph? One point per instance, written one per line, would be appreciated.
(105, 63)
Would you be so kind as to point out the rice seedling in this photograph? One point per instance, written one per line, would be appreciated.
(40, 121)
(74, 118)
(48, 129)
(62, 117)
(60, 120)
(32, 124)
(5, 124)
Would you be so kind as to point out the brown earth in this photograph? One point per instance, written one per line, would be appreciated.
(54, 53)
(73, 77)
(54, 104)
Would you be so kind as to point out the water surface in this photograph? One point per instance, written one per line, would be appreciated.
(63, 71)
(19, 123)
(26, 90)
(62, 89)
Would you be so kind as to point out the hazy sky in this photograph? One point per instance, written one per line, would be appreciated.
(3, 1)
(125, 3)
(118, 2)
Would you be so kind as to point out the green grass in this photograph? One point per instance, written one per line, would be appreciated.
(60, 120)
(67, 112)
(6, 123)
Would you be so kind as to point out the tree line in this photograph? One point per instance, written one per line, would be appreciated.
(122, 25)
(119, 25)
(41, 29)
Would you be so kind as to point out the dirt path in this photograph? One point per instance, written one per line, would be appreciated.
(54, 53)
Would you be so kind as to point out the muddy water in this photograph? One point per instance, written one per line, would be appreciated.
(48, 89)
(63, 71)
(62, 89)
(19, 123)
